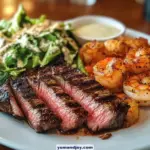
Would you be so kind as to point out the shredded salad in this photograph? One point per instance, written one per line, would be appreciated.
(30, 50)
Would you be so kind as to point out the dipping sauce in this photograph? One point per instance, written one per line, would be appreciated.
(96, 31)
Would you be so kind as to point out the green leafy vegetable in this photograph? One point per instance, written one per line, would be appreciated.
(4, 24)
(9, 58)
(68, 55)
(30, 42)
(35, 20)
(80, 65)
(50, 55)
(70, 51)
(24, 60)
(4, 27)
(16, 72)
(51, 37)
(10, 27)
(35, 61)
(32, 50)
(10, 61)
(3, 77)
(17, 20)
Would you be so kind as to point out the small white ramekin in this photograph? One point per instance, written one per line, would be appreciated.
(84, 20)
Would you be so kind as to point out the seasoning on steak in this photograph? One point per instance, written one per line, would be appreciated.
(71, 113)
(104, 110)
(37, 113)
(8, 103)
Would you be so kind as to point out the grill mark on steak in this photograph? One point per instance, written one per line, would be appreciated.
(8, 103)
(92, 87)
(4, 101)
(71, 113)
(39, 116)
(69, 76)
(81, 81)
(104, 112)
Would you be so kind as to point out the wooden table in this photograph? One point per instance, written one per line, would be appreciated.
(127, 11)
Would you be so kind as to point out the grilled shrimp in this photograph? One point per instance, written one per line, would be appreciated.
(134, 42)
(92, 52)
(138, 60)
(133, 112)
(115, 48)
(110, 73)
(137, 87)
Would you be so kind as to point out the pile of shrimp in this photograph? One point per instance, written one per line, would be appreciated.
(123, 66)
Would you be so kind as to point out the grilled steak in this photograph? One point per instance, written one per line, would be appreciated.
(71, 113)
(37, 113)
(8, 103)
(104, 110)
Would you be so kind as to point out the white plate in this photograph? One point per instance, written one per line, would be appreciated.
(18, 135)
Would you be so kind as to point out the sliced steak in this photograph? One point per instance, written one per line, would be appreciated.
(104, 110)
(37, 113)
(71, 113)
(8, 103)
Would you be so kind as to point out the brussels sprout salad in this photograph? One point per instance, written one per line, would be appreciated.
(30, 49)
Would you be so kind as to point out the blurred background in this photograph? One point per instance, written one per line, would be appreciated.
(133, 13)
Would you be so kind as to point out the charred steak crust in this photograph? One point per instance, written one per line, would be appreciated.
(71, 113)
(70, 95)
(8, 102)
(4, 101)
(105, 111)
(39, 116)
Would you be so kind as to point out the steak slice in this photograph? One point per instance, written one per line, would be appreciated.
(105, 111)
(71, 113)
(8, 103)
(39, 116)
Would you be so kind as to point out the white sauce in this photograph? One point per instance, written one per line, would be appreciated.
(96, 30)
